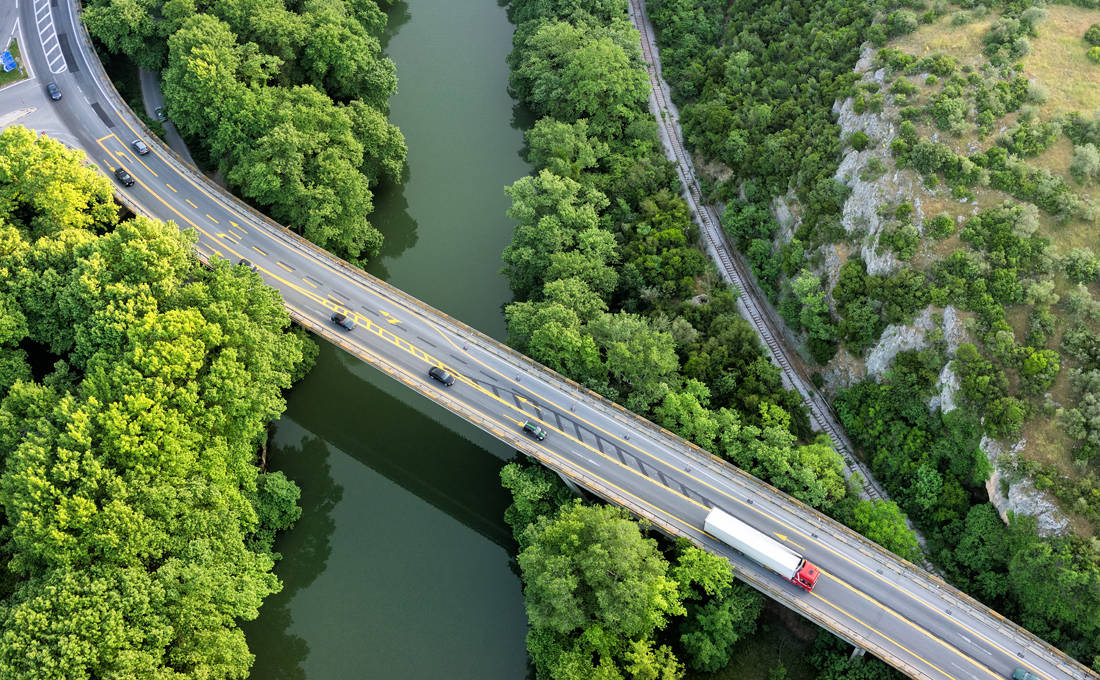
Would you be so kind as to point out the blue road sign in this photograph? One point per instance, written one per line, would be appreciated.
(8, 61)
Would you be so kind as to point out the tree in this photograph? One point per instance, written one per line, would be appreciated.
(983, 552)
(1039, 369)
(721, 611)
(1085, 163)
(137, 532)
(884, 523)
(340, 56)
(595, 588)
(1092, 35)
(638, 358)
(1081, 265)
(46, 188)
(815, 312)
(277, 509)
(564, 149)
(128, 27)
(571, 72)
(536, 492)
(553, 212)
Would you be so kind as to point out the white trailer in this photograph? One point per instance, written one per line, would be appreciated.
(761, 548)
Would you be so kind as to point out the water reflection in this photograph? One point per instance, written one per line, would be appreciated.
(399, 229)
(411, 575)
(305, 553)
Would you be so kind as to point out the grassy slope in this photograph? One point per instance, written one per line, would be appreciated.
(1058, 62)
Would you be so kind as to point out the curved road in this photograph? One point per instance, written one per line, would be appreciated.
(870, 597)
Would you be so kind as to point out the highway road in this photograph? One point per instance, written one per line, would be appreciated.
(892, 608)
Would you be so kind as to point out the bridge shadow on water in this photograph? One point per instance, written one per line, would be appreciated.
(345, 408)
(403, 436)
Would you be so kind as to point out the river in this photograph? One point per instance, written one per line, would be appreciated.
(399, 568)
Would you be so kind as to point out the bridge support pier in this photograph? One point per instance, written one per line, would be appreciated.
(578, 491)
(857, 652)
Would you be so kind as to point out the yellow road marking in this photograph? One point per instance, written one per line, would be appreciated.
(191, 202)
(259, 251)
(887, 637)
(283, 266)
(214, 220)
(310, 282)
(752, 507)
(170, 187)
(787, 540)
(365, 288)
(138, 159)
(377, 359)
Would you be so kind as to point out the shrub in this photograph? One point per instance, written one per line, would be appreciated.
(859, 140)
(1092, 36)
(1037, 93)
(903, 86)
(1031, 17)
(900, 22)
(1081, 265)
(1094, 54)
(874, 168)
(1085, 164)
(941, 226)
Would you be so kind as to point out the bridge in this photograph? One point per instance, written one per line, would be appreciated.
(875, 600)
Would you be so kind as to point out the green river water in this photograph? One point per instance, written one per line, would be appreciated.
(399, 567)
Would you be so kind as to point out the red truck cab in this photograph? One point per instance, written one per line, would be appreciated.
(806, 576)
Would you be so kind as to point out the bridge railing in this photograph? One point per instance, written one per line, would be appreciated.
(620, 414)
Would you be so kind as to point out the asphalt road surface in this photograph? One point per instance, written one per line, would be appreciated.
(866, 595)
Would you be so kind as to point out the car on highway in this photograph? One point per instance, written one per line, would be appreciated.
(441, 375)
(534, 430)
(342, 321)
(1022, 674)
(122, 176)
(54, 91)
(140, 147)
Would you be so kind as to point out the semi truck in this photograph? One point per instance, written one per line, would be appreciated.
(762, 549)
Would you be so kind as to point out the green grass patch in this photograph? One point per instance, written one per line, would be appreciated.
(19, 73)
(1058, 60)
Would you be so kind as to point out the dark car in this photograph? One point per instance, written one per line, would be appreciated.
(126, 178)
(160, 113)
(534, 430)
(141, 147)
(245, 263)
(342, 321)
(54, 91)
(1022, 674)
(441, 375)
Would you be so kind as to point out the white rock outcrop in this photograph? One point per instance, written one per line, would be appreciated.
(1022, 498)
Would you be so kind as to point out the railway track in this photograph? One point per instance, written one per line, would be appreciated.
(735, 270)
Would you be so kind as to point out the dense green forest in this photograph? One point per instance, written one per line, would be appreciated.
(135, 389)
(287, 100)
(613, 290)
(739, 72)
